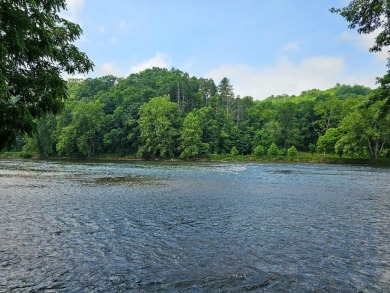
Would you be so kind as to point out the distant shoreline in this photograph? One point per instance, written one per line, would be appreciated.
(302, 157)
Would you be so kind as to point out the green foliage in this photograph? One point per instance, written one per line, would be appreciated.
(328, 108)
(273, 150)
(326, 142)
(364, 131)
(26, 155)
(262, 138)
(191, 137)
(292, 152)
(234, 151)
(312, 148)
(158, 122)
(287, 122)
(368, 17)
(259, 151)
(123, 117)
(143, 112)
(81, 135)
(43, 140)
(226, 94)
(342, 146)
(36, 47)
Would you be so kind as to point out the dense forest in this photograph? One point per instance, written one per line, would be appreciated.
(160, 113)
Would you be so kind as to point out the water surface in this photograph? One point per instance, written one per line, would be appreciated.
(201, 227)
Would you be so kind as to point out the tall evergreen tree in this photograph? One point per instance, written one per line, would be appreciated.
(226, 94)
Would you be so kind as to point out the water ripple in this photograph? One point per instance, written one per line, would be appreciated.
(174, 227)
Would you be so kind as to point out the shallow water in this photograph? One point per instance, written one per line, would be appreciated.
(201, 227)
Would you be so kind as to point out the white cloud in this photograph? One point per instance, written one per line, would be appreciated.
(125, 26)
(365, 42)
(287, 77)
(160, 59)
(109, 68)
(290, 46)
(113, 40)
(74, 8)
(101, 29)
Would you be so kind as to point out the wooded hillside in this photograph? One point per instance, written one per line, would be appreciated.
(160, 113)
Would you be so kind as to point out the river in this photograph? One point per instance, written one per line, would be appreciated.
(193, 227)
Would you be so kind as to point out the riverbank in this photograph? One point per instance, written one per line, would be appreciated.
(302, 157)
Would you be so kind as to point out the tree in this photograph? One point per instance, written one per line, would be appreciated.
(307, 124)
(36, 47)
(81, 135)
(312, 148)
(207, 89)
(234, 151)
(292, 152)
(191, 143)
(210, 128)
(363, 131)
(274, 131)
(326, 142)
(245, 141)
(43, 140)
(328, 108)
(273, 150)
(226, 94)
(262, 138)
(289, 134)
(159, 124)
(259, 151)
(370, 16)
(226, 132)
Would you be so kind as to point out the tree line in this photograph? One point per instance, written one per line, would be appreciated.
(113, 115)
(161, 113)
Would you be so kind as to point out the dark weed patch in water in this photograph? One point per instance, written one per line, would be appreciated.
(132, 179)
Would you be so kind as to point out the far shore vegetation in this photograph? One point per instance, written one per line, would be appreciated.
(161, 114)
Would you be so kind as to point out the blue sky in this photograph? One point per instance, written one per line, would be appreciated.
(263, 47)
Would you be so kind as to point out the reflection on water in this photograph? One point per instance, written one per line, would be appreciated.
(204, 227)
